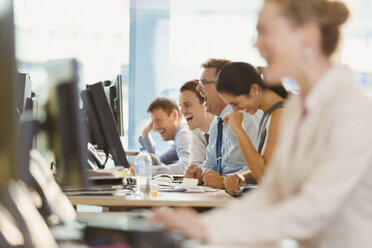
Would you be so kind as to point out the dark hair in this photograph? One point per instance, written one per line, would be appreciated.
(237, 78)
(279, 89)
(329, 15)
(191, 86)
(218, 64)
(165, 104)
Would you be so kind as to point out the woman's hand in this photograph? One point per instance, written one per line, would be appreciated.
(233, 183)
(185, 220)
(236, 121)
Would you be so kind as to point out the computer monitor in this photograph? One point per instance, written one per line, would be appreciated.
(64, 124)
(102, 123)
(8, 123)
(28, 126)
(62, 127)
(114, 93)
(20, 223)
(23, 92)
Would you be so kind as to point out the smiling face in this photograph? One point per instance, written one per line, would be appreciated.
(164, 124)
(192, 109)
(248, 103)
(280, 42)
(213, 102)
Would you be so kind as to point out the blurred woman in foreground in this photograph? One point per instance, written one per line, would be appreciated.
(317, 189)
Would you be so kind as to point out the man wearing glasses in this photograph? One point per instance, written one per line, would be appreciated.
(223, 153)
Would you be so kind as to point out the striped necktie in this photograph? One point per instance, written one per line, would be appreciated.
(219, 145)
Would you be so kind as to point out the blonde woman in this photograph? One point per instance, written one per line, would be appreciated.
(317, 189)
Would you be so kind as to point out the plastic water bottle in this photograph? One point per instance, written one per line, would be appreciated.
(143, 164)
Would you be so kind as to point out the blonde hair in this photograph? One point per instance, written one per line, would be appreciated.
(329, 15)
(165, 103)
(215, 63)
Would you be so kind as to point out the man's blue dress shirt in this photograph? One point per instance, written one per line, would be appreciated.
(232, 158)
(177, 157)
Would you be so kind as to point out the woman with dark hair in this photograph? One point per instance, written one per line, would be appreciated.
(240, 85)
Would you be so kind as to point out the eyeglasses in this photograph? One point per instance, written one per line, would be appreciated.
(203, 83)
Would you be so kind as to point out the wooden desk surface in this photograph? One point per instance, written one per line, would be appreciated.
(164, 199)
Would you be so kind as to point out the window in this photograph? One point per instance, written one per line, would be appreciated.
(158, 45)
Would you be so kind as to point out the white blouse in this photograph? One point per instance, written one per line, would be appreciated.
(318, 187)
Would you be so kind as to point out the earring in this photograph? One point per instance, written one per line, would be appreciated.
(308, 52)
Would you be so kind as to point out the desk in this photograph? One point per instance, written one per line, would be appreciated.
(165, 199)
(127, 221)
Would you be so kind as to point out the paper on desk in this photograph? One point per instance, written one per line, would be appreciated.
(113, 172)
(167, 187)
(201, 189)
(189, 182)
(184, 187)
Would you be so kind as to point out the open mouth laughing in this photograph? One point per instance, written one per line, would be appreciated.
(189, 119)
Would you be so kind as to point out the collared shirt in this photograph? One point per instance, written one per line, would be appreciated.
(316, 92)
(199, 145)
(176, 158)
(308, 103)
(232, 158)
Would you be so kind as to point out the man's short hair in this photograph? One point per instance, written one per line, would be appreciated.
(165, 103)
(215, 63)
(191, 86)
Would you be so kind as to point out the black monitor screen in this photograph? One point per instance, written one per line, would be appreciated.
(102, 123)
(23, 89)
(113, 90)
(67, 135)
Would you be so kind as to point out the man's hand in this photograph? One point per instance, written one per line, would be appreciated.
(233, 183)
(193, 171)
(212, 179)
(132, 169)
(147, 129)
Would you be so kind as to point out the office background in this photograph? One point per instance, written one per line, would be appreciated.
(156, 44)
